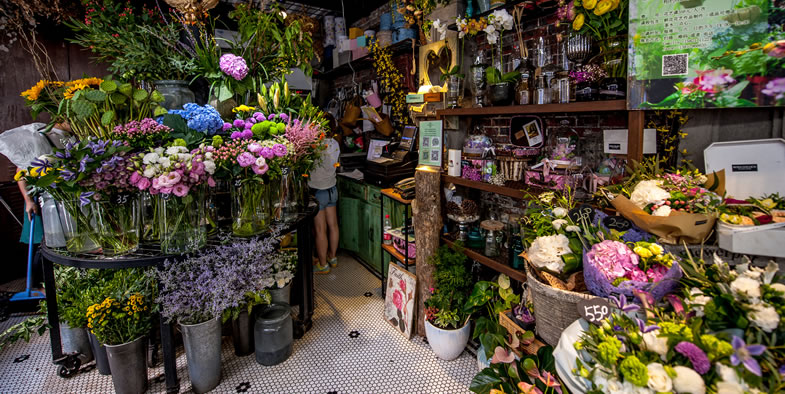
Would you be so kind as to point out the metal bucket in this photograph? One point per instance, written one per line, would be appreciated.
(273, 334)
(127, 361)
(242, 334)
(202, 344)
(75, 341)
(282, 295)
(99, 353)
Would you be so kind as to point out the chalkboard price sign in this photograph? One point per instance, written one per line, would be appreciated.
(595, 310)
(582, 214)
(618, 223)
(122, 198)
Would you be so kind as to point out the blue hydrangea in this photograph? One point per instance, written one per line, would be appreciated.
(204, 119)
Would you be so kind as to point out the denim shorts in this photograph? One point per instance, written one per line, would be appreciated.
(327, 197)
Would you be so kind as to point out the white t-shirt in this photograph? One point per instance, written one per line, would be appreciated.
(322, 176)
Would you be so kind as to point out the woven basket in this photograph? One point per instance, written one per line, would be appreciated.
(554, 309)
(513, 167)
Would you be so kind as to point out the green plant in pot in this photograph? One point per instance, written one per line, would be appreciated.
(500, 85)
(446, 322)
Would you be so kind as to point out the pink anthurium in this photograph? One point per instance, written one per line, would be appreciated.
(502, 355)
(527, 388)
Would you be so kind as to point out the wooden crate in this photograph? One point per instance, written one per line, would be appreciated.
(513, 329)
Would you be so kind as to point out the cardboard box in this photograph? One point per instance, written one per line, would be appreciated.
(752, 169)
(433, 97)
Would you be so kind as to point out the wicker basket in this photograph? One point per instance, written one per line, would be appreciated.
(513, 167)
(554, 309)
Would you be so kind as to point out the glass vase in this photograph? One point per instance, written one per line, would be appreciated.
(283, 197)
(250, 209)
(454, 91)
(117, 223)
(149, 222)
(78, 226)
(176, 93)
(181, 221)
(613, 52)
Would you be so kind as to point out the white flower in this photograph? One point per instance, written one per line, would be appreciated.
(150, 158)
(165, 162)
(149, 172)
(664, 210)
(558, 224)
(648, 192)
(729, 388)
(658, 378)
(652, 342)
(778, 287)
(173, 150)
(208, 155)
(209, 167)
(267, 282)
(765, 317)
(559, 212)
(441, 28)
(502, 19)
(726, 373)
(703, 179)
(159, 150)
(546, 252)
(630, 388)
(184, 157)
(572, 229)
(688, 381)
(614, 386)
(607, 384)
(747, 287)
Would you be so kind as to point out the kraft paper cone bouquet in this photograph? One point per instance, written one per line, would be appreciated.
(679, 206)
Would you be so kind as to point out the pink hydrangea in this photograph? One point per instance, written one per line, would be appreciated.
(614, 259)
(656, 273)
(636, 274)
(234, 66)
(245, 159)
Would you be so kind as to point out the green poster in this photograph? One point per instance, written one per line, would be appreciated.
(707, 53)
(431, 143)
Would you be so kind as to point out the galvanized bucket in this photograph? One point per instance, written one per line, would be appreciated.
(128, 365)
(75, 341)
(99, 353)
(202, 344)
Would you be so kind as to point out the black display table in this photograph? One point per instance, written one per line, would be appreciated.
(149, 255)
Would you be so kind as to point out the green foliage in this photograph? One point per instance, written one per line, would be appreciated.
(530, 369)
(494, 76)
(491, 298)
(451, 287)
(23, 330)
(250, 300)
(453, 71)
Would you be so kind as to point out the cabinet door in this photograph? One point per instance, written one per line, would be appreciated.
(375, 246)
(349, 221)
(363, 215)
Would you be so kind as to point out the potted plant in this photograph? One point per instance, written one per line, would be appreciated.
(533, 373)
(500, 85)
(284, 264)
(121, 321)
(71, 284)
(446, 323)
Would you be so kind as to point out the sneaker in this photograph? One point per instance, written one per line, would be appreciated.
(321, 270)
(333, 262)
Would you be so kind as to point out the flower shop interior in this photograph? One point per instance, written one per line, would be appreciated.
(488, 196)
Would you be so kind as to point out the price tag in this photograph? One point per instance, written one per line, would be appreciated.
(595, 311)
(285, 171)
(581, 214)
(618, 223)
(238, 183)
(122, 198)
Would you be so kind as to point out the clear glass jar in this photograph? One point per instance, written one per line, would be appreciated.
(522, 93)
(181, 220)
(78, 226)
(117, 223)
(491, 244)
(454, 91)
(250, 208)
(283, 197)
(542, 92)
(54, 235)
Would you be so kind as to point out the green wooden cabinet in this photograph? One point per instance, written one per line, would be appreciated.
(350, 235)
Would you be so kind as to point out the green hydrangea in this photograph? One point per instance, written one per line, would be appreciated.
(634, 371)
(264, 125)
(609, 350)
(179, 142)
(281, 128)
(675, 329)
(257, 128)
(717, 347)
(217, 141)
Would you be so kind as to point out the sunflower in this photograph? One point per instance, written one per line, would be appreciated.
(34, 92)
(72, 89)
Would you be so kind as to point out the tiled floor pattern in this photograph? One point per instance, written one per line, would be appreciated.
(351, 349)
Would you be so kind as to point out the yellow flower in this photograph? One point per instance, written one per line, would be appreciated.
(35, 91)
(656, 249)
(602, 7)
(589, 4)
(615, 4)
(577, 24)
(243, 108)
(71, 90)
(19, 175)
(643, 252)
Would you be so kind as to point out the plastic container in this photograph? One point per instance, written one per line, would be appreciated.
(385, 21)
(54, 235)
(273, 335)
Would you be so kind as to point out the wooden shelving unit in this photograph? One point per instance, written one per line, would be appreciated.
(398, 255)
(583, 106)
(505, 191)
(496, 264)
(390, 193)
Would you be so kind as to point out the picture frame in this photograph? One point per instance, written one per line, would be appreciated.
(400, 299)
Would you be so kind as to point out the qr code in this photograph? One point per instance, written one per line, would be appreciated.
(675, 64)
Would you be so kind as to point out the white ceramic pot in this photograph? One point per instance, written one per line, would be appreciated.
(447, 344)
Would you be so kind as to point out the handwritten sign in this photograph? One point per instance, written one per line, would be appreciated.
(618, 223)
(582, 214)
(595, 310)
(122, 198)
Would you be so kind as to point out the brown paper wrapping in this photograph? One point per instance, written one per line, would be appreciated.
(692, 228)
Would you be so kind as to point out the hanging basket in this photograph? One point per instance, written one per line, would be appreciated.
(554, 309)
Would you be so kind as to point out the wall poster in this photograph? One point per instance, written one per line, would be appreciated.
(706, 53)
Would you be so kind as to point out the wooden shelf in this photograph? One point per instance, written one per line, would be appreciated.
(583, 106)
(390, 193)
(494, 264)
(397, 255)
(364, 62)
(505, 191)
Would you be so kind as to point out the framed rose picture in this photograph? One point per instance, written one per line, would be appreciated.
(399, 300)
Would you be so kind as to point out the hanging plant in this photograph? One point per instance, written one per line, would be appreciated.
(391, 81)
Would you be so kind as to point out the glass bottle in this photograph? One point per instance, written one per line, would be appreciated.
(387, 227)
(515, 248)
(542, 92)
(563, 76)
(522, 94)
(478, 79)
(491, 244)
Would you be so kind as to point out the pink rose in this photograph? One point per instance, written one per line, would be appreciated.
(143, 184)
(398, 299)
(402, 285)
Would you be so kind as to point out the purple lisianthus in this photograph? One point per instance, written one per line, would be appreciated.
(700, 362)
(245, 159)
(279, 150)
(234, 66)
(614, 259)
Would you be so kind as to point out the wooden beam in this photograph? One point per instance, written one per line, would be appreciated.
(635, 124)
(427, 227)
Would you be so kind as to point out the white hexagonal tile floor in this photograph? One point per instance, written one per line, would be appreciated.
(351, 349)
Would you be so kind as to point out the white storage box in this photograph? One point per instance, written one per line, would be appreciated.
(752, 169)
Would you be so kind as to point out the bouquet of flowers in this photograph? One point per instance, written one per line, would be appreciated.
(284, 264)
(251, 124)
(753, 211)
(606, 21)
(124, 312)
(307, 140)
(141, 135)
(675, 206)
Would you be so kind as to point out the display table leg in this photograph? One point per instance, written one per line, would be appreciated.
(170, 358)
(305, 277)
(51, 311)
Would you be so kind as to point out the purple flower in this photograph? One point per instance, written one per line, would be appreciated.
(258, 116)
(267, 153)
(700, 362)
(68, 175)
(621, 303)
(271, 116)
(226, 126)
(234, 66)
(284, 118)
(646, 329)
(743, 354)
(84, 198)
(44, 164)
(245, 159)
(239, 123)
(83, 163)
(279, 150)
(614, 259)
(782, 370)
(775, 88)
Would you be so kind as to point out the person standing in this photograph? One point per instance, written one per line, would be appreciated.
(31, 209)
(322, 182)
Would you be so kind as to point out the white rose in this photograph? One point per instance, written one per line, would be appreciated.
(572, 229)
(765, 317)
(747, 287)
(607, 384)
(655, 344)
(559, 212)
(209, 167)
(165, 162)
(558, 223)
(658, 378)
(726, 373)
(778, 287)
(688, 381)
(648, 192)
(615, 387)
(664, 210)
(729, 388)
(150, 158)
